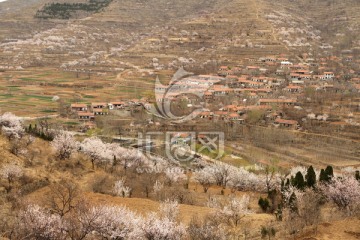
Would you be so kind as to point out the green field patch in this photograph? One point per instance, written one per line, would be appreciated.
(71, 123)
(24, 103)
(78, 101)
(22, 100)
(6, 96)
(29, 79)
(48, 111)
(44, 74)
(14, 88)
(44, 98)
(126, 89)
(89, 96)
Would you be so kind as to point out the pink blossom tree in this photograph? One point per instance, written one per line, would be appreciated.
(165, 226)
(113, 222)
(170, 210)
(65, 145)
(127, 157)
(36, 223)
(11, 126)
(244, 180)
(205, 178)
(344, 192)
(120, 189)
(174, 174)
(96, 150)
(222, 173)
(235, 210)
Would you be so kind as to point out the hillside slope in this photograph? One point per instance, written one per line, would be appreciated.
(337, 21)
(217, 29)
(196, 31)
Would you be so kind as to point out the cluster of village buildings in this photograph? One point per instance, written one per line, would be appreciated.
(87, 112)
(264, 84)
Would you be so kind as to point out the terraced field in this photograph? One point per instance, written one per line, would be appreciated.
(303, 149)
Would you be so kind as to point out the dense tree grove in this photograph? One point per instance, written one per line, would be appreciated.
(68, 10)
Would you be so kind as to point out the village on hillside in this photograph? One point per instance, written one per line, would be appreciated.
(285, 92)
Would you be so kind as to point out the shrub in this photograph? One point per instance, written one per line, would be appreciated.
(264, 204)
(268, 231)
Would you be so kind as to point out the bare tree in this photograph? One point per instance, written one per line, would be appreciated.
(10, 172)
(206, 229)
(63, 197)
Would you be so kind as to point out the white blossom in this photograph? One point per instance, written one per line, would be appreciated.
(114, 222)
(11, 172)
(120, 189)
(175, 174)
(11, 126)
(96, 149)
(158, 187)
(64, 145)
(343, 191)
(34, 222)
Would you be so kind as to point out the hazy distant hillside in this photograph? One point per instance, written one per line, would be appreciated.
(202, 30)
(338, 20)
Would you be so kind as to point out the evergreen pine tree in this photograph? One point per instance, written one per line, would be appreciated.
(323, 177)
(329, 172)
(299, 181)
(310, 177)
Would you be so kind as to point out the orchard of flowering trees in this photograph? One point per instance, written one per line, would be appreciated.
(304, 196)
(295, 197)
(236, 178)
(98, 152)
(106, 222)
